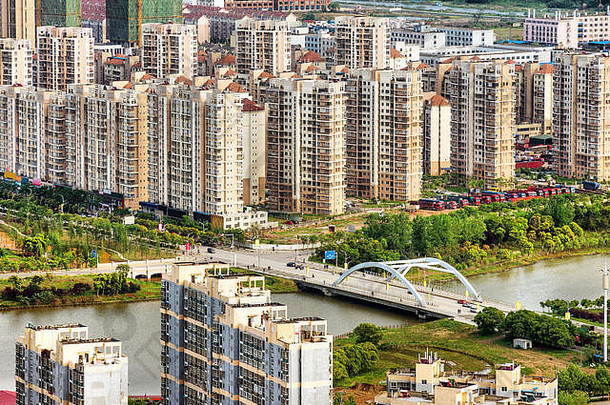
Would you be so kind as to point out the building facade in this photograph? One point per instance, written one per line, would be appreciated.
(383, 135)
(225, 342)
(581, 137)
(124, 18)
(362, 42)
(59, 13)
(16, 62)
(65, 56)
(61, 364)
(18, 19)
(262, 45)
(169, 49)
(437, 135)
(481, 95)
(305, 146)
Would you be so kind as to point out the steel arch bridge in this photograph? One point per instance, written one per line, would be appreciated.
(399, 268)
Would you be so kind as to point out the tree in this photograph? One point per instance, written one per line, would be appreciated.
(489, 320)
(16, 282)
(367, 332)
(560, 209)
(573, 398)
(34, 245)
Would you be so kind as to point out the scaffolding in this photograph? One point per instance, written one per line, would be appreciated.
(59, 13)
(124, 18)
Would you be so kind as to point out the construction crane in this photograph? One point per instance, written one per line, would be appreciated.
(139, 22)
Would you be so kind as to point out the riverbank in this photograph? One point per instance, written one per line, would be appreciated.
(500, 267)
(65, 291)
(70, 291)
(460, 345)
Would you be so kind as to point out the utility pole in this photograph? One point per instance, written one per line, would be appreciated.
(605, 285)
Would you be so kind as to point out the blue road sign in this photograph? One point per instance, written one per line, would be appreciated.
(94, 253)
(330, 255)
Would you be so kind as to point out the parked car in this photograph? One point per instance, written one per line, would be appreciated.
(291, 264)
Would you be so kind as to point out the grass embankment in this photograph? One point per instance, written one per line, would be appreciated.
(460, 345)
(536, 257)
(149, 291)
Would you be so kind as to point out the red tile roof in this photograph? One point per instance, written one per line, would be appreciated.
(438, 101)
(265, 75)
(235, 88)
(226, 60)
(93, 9)
(395, 54)
(311, 56)
(545, 69)
(249, 105)
(184, 80)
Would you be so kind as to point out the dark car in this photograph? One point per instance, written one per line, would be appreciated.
(291, 264)
(211, 250)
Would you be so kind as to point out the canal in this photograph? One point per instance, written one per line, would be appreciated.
(138, 324)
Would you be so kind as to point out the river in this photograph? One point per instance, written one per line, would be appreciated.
(138, 324)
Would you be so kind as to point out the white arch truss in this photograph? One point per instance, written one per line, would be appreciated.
(399, 268)
(389, 269)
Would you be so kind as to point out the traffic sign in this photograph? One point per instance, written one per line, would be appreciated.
(330, 255)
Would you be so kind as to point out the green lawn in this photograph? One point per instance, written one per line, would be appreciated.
(460, 345)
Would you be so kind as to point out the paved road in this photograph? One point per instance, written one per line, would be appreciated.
(366, 285)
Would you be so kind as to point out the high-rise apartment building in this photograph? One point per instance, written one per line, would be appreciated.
(383, 136)
(542, 104)
(65, 56)
(169, 49)
(59, 13)
(23, 116)
(223, 341)
(196, 149)
(254, 125)
(263, 44)
(89, 137)
(224, 156)
(124, 18)
(482, 102)
(437, 135)
(534, 95)
(581, 135)
(18, 19)
(362, 42)
(115, 143)
(61, 364)
(305, 146)
(16, 58)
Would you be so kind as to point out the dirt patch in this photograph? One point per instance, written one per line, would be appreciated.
(6, 242)
(363, 393)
